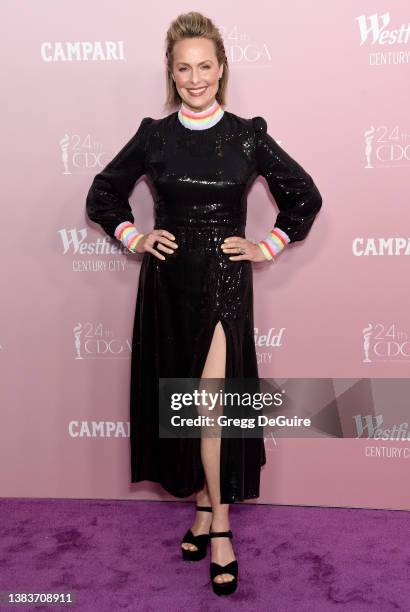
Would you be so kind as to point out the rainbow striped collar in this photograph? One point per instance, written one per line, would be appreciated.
(203, 119)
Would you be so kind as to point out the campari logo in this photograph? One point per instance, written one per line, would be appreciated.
(381, 247)
(83, 51)
(99, 429)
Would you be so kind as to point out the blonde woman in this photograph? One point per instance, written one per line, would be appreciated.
(194, 311)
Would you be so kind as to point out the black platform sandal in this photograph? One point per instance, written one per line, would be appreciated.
(200, 541)
(223, 588)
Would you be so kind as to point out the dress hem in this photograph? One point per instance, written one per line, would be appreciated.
(179, 494)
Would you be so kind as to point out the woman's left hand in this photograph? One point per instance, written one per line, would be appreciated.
(252, 251)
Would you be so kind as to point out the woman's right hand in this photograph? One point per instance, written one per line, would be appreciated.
(165, 239)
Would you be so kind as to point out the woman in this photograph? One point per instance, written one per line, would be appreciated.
(194, 311)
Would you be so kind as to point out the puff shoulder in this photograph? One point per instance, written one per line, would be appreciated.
(143, 129)
(260, 126)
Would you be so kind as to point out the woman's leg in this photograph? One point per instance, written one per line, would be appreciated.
(203, 520)
(221, 548)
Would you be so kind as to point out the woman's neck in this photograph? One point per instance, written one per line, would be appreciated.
(200, 120)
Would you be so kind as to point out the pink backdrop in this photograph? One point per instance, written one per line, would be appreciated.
(332, 83)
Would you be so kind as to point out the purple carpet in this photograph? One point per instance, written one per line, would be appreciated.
(124, 555)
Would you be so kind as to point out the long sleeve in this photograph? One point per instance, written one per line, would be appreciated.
(295, 193)
(107, 201)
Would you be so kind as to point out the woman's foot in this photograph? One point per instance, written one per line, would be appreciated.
(222, 551)
(202, 522)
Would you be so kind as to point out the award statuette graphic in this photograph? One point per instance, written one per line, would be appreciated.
(77, 342)
(368, 138)
(64, 142)
(367, 332)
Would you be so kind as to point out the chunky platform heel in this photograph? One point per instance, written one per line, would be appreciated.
(223, 588)
(200, 541)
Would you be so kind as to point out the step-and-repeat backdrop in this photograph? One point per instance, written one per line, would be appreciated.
(332, 81)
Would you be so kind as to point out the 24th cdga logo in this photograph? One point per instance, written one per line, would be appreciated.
(94, 341)
(242, 50)
(386, 147)
(385, 343)
(82, 155)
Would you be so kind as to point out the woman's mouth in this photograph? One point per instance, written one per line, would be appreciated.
(197, 92)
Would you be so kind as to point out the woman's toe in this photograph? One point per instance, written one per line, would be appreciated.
(188, 546)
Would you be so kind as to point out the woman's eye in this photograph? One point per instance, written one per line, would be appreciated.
(206, 68)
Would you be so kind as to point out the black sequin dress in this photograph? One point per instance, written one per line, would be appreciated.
(200, 180)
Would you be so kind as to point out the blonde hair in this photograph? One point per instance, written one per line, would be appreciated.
(192, 25)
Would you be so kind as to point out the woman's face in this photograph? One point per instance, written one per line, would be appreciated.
(196, 72)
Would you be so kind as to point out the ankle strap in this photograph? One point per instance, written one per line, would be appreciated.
(204, 508)
(221, 534)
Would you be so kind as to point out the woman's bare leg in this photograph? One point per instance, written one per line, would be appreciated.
(221, 548)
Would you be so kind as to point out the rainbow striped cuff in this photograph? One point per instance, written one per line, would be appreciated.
(274, 242)
(128, 234)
